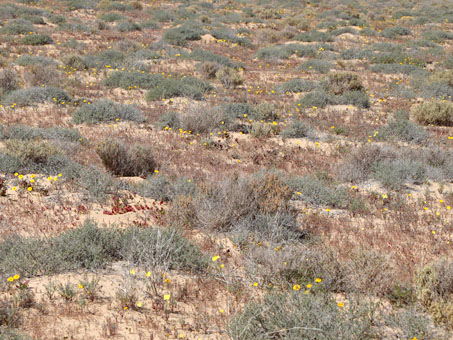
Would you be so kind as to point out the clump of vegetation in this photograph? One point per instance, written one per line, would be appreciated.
(292, 315)
(36, 39)
(341, 82)
(189, 87)
(184, 33)
(36, 95)
(29, 60)
(395, 32)
(436, 113)
(106, 111)
(8, 81)
(320, 66)
(131, 80)
(298, 129)
(123, 160)
(91, 247)
(229, 77)
(296, 85)
(402, 129)
(18, 26)
(434, 290)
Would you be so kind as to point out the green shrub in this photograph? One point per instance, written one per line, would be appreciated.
(285, 51)
(209, 69)
(7, 333)
(186, 32)
(296, 85)
(169, 119)
(318, 192)
(24, 132)
(18, 26)
(230, 36)
(135, 160)
(8, 81)
(297, 129)
(403, 130)
(395, 32)
(320, 66)
(189, 87)
(219, 206)
(229, 77)
(202, 119)
(237, 110)
(75, 62)
(357, 98)
(260, 130)
(158, 247)
(106, 111)
(129, 80)
(36, 39)
(395, 174)
(436, 113)
(318, 98)
(37, 95)
(340, 82)
(9, 163)
(9, 317)
(128, 26)
(163, 188)
(112, 17)
(112, 58)
(294, 315)
(203, 56)
(30, 60)
(434, 290)
(31, 151)
(91, 247)
(311, 36)
(437, 36)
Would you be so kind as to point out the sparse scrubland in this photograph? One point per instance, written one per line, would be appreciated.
(243, 170)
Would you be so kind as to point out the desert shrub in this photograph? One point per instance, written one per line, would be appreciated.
(186, 32)
(91, 247)
(203, 56)
(410, 323)
(237, 110)
(294, 315)
(357, 166)
(150, 24)
(321, 66)
(166, 189)
(393, 174)
(128, 26)
(260, 130)
(399, 68)
(36, 39)
(162, 15)
(202, 119)
(229, 77)
(122, 160)
(31, 60)
(357, 98)
(113, 58)
(9, 163)
(340, 31)
(105, 111)
(9, 317)
(169, 119)
(311, 36)
(318, 192)
(285, 51)
(229, 35)
(24, 132)
(36, 95)
(304, 261)
(8, 81)
(318, 98)
(57, 19)
(114, 6)
(129, 80)
(209, 69)
(340, 82)
(164, 248)
(219, 206)
(7, 333)
(436, 113)
(296, 85)
(189, 87)
(395, 32)
(449, 63)
(112, 17)
(31, 151)
(265, 111)
(437, 36)
(403, 130)
(42, 75)
(297, 129)
(75, 62)
(434, 289)
(18, 26)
